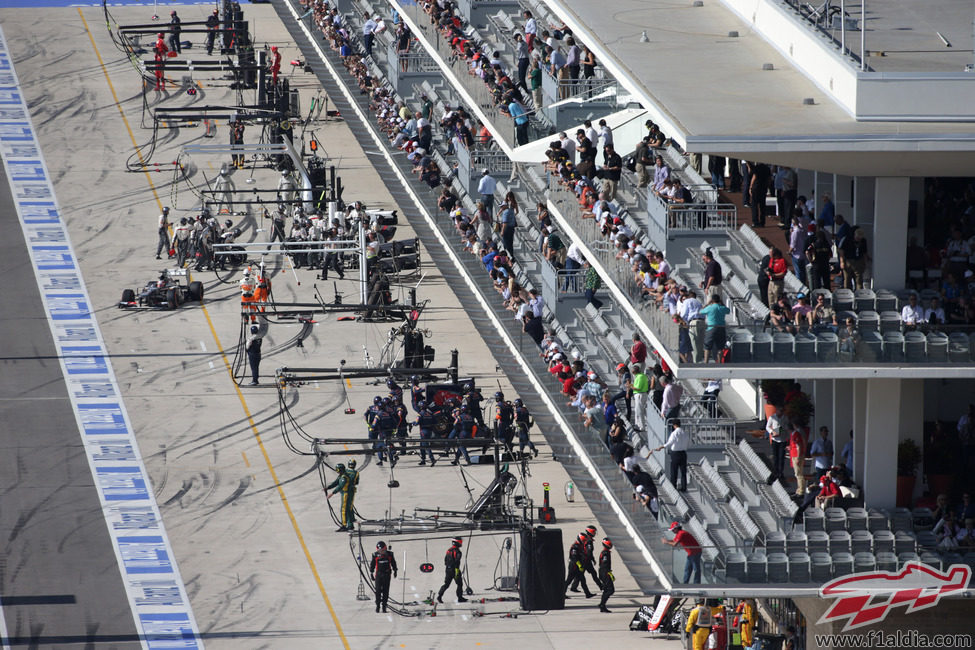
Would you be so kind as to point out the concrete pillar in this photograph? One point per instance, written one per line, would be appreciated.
(859, 426)
(879, 442)
(863, 201)
(843, 419)
(843, 196)
(911, 420)
(822, 393)
(890, 232)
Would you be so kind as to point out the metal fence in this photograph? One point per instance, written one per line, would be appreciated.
(705, 216)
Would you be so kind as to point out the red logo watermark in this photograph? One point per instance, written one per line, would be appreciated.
(866, 598)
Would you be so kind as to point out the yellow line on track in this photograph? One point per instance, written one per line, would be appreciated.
(226, 362)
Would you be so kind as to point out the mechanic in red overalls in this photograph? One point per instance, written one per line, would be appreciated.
(161, 52)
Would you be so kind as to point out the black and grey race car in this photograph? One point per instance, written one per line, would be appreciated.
(165, 293)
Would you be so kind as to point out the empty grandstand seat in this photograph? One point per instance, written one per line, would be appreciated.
(783, 347)
(915, 347)
(927, 295)
(878, 520)
(904, 558)
(869, 321)
(735, 566)
(762, 347)
(922, 519)
(758, 566)
(843, 300)
(904, 542)
(865, 300)
(806, 347)
(927, 540)
(839, 542)
(886, 561)
(864, 562)
(795, 541)
(951, 557)
(958, 348)
(861, 541)
(827, 346)
(870, 346)
(741, 345)
(902, 519)
(821, 569)
(835, 519)
(937, 346)
(778, 567)
(931, 558)
(814, 519)
(890, 321)
(886, 300)
(800, 567)
(894, 346)
(883, 541)
(842, 564)
(856, 519)
(969, 559)
(775, 542)
(817, 541)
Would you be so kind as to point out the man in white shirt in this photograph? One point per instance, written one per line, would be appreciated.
(573, 262)
(821, 451)
(486, 187)
(163, 244)
(710, 396)
(537, 302)
(670, 406)
(368, 32)
(605, 135)
(912, 314)
(934, 314)
(569, 146)
(677, 445)
(591, 132)
(531, 29)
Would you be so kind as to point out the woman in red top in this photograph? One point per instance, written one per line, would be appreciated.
(829, 490)
(777, 268)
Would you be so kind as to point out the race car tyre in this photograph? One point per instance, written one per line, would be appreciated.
(128, 295)
(172, 298)
(441, 425)
(195, 291)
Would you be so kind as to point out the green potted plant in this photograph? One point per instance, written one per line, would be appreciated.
(908, 458)
(800, 410)
(774, 390)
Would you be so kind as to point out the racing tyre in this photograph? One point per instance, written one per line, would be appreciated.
(172, 298)
(195, 291)
(441, 425)
(128, 295)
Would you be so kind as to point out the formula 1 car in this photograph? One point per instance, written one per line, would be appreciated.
(166, 293)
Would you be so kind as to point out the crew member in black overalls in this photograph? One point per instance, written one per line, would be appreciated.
(575, 571)
(606, 576)
(424, 420)
(387, 429)
(474, 399)
(253, 347)
(383, 566)
(174, 29)
(588, 559)
(523, 420)
(213, 24)
(332, 259)
(503, 417)
(417, 394)
(395, 392)
(463, 430)
(402, 424)
(237, 137)
(452, 564)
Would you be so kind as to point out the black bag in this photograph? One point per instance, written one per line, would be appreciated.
(630, 164)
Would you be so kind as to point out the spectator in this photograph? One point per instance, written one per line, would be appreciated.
(670, 406)
(648, 497)
(641, 388)
(853, 259)
(847, 456)
(638, 351)
(797, 455)
(821, 451)
(518, 114)
(802, 312)
(715, 336)
(712, 274)
(761, 176)
(823, 317)
(934, 315)
(797, 247)
(776, 272)
(612, 169)
(661, 173)
(591, 285)
(819, 252)
(773, 427)
(676, 445)
(710, 396)
(912, 314)
(486, 188)
(533, 327)
(531, 29)
(693, 549)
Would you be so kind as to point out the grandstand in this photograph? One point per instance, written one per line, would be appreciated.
(884, 382)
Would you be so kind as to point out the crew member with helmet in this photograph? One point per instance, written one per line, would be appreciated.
(174, 30)
(213, 23)
(382, 567)
(474, 399)
(248, 286)
(181, 239)
(699, 625)
(372, 419)
(346, 487)
(464, 429)
(262, 292)
(745, 621)
(691, 546)
(523, 420)
(425, 420)
(161, 52)
(575, 572)
(417, 393)
(503, 417)
(387, 429)
(588, 559)
(606, 577)
(395, 392)
(275, 64)
(402, 416)
(453, 572)
(253, 347)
